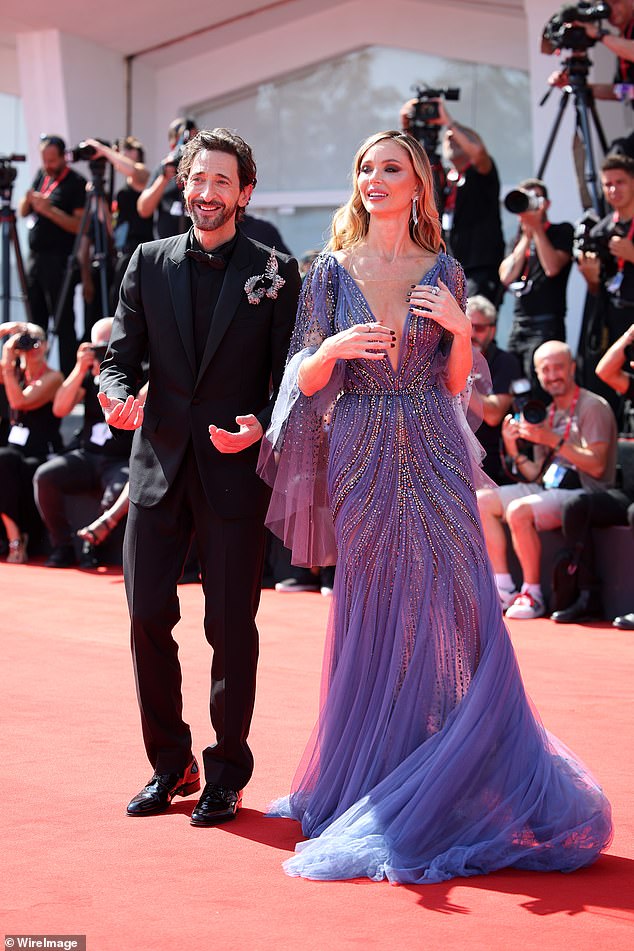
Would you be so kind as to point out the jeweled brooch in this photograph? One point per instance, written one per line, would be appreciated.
(267, 284)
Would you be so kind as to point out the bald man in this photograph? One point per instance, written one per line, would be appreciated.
(574, 449)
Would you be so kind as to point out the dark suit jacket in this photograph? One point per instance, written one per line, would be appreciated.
(245, 350)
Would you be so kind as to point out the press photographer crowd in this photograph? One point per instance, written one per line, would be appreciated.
(558, 429)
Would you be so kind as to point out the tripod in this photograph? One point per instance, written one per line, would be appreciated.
(577, 66)
(94, 216)
(10, 239)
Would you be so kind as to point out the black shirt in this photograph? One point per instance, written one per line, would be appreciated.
(609, 266)
(547, 295)
(169, 217)
(118, 448)
(624, 71)
(504, 368)
(206, 284)
(476, 238)
(131, 229)
(69, 194)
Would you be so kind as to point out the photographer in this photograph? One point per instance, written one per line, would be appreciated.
(621, 16)
(503, 368)
(99, 464)
(30, 385)
(53, 208)
(600, 509)
(609, 271)
(536, 270)
(129, 228)
(162, 199)
(471, 218)
(574, 450)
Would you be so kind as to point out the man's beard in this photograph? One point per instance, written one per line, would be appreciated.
(211, 221)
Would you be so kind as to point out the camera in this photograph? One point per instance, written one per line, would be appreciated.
(85, 153)
(8, 173)
(423, 124)
(99, 350)
(533, 411)
(174, 157)
(585, 242)
(520, 200)
(559, 33)
(27, 341)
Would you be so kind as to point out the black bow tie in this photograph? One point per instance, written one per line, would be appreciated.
(215, 261)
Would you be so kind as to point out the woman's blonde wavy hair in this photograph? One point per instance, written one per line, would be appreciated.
(350, 222)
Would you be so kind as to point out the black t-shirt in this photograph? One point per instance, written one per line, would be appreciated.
(624, 70)
(264, 232)
(609, 266)
(504, 368)
(545, 295)
(476, 238)
(131, 229)
(69, 194)
(104, 445)
(169, 217)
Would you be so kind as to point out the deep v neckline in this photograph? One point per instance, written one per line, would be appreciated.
(406, 326)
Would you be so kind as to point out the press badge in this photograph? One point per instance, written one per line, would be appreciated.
(100, 434)
(19, 435)
(613, 286)
(554, 476)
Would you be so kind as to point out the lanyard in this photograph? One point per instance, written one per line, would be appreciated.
(50, 184)
(624, 63)
(630, 233)
(571, 414)
(527, 254)
(454, 180)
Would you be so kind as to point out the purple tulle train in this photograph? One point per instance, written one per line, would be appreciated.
(428, 761)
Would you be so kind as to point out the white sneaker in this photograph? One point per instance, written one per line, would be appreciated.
(525, 607)
(507, 597)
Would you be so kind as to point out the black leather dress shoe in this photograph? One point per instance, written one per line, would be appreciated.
(585, 608)
(625, 622)
(63, 556)
(161, 789)
(217, 804)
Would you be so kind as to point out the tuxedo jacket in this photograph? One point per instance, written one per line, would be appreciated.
(240, 371)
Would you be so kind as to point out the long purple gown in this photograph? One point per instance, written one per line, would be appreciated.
(428, 761)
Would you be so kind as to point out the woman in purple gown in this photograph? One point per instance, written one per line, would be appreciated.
(427, 761)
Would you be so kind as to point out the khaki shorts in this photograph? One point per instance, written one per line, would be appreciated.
(545, 503)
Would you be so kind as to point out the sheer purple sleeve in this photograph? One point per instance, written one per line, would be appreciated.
(468, 411)
(294, 452)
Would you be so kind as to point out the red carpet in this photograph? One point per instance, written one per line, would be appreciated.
(74, 863)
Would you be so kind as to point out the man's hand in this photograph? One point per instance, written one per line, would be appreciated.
(128, 415)
(85, 357)
(539, 433)
(250, 431)
(590, 267)
(621, 248)
(40, 204)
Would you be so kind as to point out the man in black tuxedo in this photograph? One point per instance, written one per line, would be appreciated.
(214, 311)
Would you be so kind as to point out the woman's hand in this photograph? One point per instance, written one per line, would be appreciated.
(9, 352)
(361, 342)
(440, 305)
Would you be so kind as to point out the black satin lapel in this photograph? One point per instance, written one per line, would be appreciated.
(180, 289)
(237, 273)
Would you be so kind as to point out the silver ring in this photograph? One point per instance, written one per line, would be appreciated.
(435, 291)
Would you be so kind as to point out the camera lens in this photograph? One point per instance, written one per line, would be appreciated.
(534, 411)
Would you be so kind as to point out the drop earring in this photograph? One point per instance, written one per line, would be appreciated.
(415, 210)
